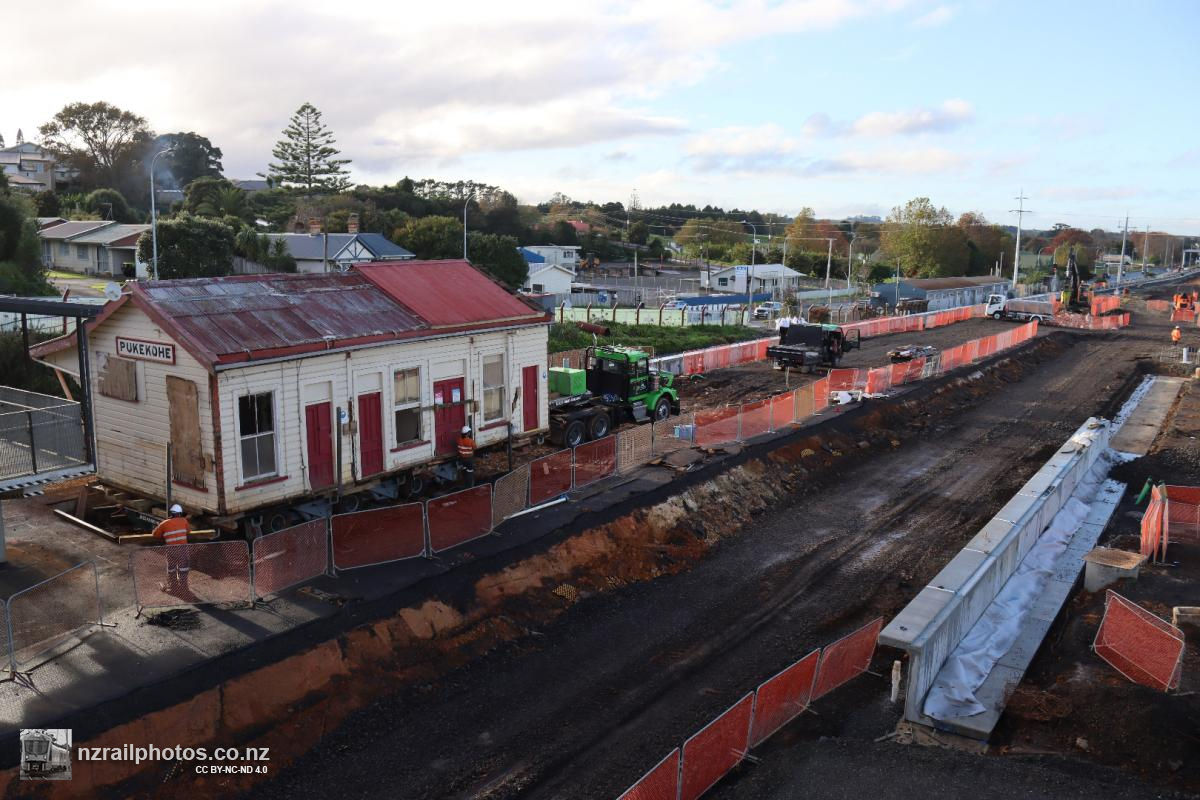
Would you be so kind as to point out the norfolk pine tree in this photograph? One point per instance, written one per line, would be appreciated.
(306, 156)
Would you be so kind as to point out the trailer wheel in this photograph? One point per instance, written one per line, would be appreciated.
(414, 486)
(277, 521)
(349, 504)
(574, 434)
(598, 426)
(997, 315)
(662, 409)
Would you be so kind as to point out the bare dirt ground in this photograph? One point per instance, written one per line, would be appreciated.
(760, 380)
(589, 699)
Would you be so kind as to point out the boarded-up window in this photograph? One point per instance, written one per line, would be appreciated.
(187, 456)
(117, 377)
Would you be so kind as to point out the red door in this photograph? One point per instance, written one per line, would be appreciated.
(370, 433)
(319, 419)
(449, 414)
(529, 396)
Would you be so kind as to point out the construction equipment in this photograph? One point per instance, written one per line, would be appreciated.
(1001, 307)
(806, 346)
(615, 386)
(1074, 297)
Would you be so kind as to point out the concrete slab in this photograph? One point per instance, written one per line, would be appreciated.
(1143, 425)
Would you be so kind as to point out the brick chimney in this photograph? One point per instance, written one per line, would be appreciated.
(314, 226)
(352, 223)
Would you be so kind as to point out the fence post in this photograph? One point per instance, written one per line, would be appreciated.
(12, 653)
(739, 425)
(32, 441)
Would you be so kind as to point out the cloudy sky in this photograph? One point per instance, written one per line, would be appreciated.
(849, 106)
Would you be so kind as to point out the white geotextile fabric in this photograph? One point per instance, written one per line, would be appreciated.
(953, 692)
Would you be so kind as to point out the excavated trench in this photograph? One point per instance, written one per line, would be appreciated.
(436, 645)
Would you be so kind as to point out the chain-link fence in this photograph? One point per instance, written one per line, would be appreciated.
(1139, 645)
(459, 517)
(509, 494)
(595, 460)
(44, 615)
(191, 574)
(550, 476)
(635, 446)
(378, 536)
(40, 439)
(846, 658)
(290, 556)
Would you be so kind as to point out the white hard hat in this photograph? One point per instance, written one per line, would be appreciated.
(177, 509)
(466, 429)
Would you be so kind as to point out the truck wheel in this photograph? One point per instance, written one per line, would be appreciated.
(662, 409)
(574, 434)
(598, 426)
(997, 315)
(414, 486)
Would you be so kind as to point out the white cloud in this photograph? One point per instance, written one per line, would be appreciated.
(951, 114)
(922, 161)
(740, 149)
(935, 18)
(404, 86)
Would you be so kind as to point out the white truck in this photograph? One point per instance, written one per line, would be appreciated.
(1001, 307)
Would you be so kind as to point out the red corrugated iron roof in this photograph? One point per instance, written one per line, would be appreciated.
(448, 294)
(244, 318)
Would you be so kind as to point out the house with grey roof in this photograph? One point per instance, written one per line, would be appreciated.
(32, 168)
(335, 252)
(95, 247)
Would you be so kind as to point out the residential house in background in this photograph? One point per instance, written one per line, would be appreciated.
(32, 168)
(562, 255)
(251, 185)
(46, 222)
(546, 277)
(95, 247)
(774, 278)
(335, 252)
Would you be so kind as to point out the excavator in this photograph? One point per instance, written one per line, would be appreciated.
(1074, 296)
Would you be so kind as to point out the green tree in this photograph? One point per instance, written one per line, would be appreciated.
(1083, 257)
(923, 237)
(21, 270)
(216, 197)
(47, 203)
(498, 256)
(194, 156)
(639, 233)
(306, 156)
(104, 143)
(108, 204)
(190, 247)
(431, 237)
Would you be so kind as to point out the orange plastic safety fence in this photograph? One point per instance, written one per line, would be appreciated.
(595, 460)
(847, 658)
(820, 395)
(1139, 645)
(717, 426)
(717, 748)
(879, 380)
(458, 518)
(378, 535)
(804, 402)
(783, 410)
(756, 419)
(847, 380)
(549, 476)
(782, 698)
(660, 783)
(1153, 538)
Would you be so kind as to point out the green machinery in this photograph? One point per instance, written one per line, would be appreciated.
(615, 386)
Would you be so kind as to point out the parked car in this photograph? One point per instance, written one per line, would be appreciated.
(768, 310)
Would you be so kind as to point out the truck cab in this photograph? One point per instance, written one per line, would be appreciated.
(995, 306)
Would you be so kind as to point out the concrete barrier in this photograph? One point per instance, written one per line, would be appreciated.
(932, 625)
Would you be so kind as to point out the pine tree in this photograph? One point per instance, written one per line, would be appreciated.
(306, 156)
(20, 137)
(1, 140)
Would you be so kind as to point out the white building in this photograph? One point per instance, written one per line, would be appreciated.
(774, 278)
(244, 377)
(562, 255)
(546, 278)
(95, 247)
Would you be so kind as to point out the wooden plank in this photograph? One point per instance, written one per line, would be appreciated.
(187, 454)
(117, 377)
(87, 526)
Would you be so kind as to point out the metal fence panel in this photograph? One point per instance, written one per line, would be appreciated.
(459, 517)
(755, 419)
(846, 658)
(717, 426)
(595, 460)
(216, 572)
(378, 535)
(510, 494)
(783, 410)
(290, 556)
(675, 433)
(1139, 645)
(782, 698)
(42, 616)
(717, 748)
(660, 783)
(549, 477)
(635, 446)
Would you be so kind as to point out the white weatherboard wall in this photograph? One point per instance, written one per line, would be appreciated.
(932, 625)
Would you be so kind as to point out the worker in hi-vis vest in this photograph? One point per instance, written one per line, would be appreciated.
(174, 532)
(466, 455)
(1176, 335)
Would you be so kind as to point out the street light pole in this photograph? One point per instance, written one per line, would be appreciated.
(753, 248)
(154, 218)
(828, 267)
(466, 203)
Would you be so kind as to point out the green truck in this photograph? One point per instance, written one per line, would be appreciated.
(616, 385)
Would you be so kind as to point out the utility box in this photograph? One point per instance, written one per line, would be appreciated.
(567, 381)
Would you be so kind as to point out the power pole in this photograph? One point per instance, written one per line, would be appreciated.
(1124, 235)
(1145, 247)
(828, 267)
(1020, 212)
